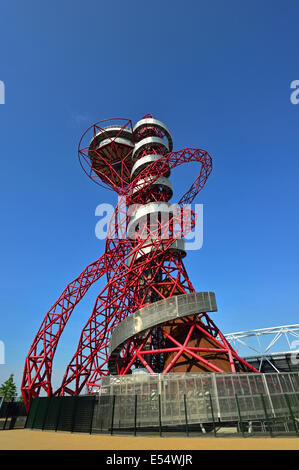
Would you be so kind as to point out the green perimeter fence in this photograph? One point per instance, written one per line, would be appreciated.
(139, 414)
(12, 415)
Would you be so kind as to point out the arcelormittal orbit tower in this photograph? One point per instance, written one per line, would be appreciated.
(148, 317)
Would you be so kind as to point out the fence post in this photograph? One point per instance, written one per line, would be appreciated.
(160, 419)
(239, 413)
(25, 425)
(135, 415)
(13, 415)
(36, 411)
(213, 417)
(266, 387)
(112, 415)
(75, 400)
(59, 412)
(6, 415)
(46, 413)
(266, 415)
(186, 415)
(291, 413)
(92, 412)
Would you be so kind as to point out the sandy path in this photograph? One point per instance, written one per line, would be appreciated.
(33, 440)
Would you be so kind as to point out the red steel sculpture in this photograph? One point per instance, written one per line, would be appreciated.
(148, 316)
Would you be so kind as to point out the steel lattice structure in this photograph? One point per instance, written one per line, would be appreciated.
(267, 344)
(148, 316)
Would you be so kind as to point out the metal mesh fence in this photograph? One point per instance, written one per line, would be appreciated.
(74, 414)
(176, 400)
(102, 416)
(202, 403)
(53, 412)
(12, 415)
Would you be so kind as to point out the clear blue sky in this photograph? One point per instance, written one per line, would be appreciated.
(218, 73)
